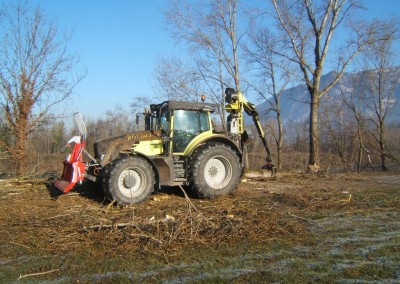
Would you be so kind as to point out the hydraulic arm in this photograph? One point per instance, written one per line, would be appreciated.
(236, 105)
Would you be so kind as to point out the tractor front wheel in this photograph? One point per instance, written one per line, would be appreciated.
(214, 170)
(129, 180)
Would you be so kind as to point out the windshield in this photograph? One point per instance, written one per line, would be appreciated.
(187, 124)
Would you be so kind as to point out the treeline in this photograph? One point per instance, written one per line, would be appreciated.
(359, 121)
(341, 149)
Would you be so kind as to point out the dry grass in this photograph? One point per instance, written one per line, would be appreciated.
(39, 223)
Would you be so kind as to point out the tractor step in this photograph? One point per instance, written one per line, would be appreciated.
(179, 170)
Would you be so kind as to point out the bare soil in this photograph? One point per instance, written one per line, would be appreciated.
(292, 228)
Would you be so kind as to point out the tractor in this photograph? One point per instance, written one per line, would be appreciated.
(179, 146)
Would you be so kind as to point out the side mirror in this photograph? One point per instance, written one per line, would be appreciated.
(137, 119)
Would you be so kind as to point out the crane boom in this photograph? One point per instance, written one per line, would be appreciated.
(236, 105)
(251, 110)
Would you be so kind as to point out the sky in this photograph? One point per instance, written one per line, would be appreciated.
(118, 42)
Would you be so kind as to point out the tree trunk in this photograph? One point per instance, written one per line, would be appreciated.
(280, 140)
(314, 134)
(221, 82)
(20, 129)
(360, 150)
(20, 153)
(382, 147)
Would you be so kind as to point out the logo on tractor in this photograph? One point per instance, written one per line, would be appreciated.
(139, 136)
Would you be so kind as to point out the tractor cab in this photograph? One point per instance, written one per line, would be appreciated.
(179, 122)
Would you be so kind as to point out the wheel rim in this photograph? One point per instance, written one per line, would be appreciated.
(218, 172)
(131, 182)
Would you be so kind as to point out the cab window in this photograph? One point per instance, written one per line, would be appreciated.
(164, 121)
(188, 124)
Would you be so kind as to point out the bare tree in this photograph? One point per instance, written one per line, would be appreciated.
(209, 28)
(57, 137)
(379, 61)
(273, 74)
(308, 28)
(213, 78)
(114, 122)
(352, 101)
(176, 80)
(34, 73)
(334, 119)
(49, 141)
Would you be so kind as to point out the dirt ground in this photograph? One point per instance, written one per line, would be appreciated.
(295, 228)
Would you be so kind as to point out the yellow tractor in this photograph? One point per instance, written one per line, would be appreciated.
(179, 146)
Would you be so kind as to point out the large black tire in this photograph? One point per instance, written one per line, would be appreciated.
(214, 170)
(128, 180)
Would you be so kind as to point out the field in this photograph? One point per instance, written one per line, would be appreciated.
(293, 228)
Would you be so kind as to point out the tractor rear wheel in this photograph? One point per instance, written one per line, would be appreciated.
(214, 171)
(129, 180)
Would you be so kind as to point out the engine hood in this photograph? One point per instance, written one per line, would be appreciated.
(108, 149)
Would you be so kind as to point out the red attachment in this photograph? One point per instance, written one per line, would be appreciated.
(74, 168)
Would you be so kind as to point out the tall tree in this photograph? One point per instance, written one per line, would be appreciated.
(352, 101)
(35, 73)
(382, 79)
(334, 120)
(176, 80)
(308, 28)
(210, 29)
(273, 75)
(57, 137)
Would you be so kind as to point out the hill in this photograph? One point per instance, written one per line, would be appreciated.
(295, 101)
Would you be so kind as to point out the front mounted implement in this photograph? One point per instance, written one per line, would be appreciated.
(74, 167)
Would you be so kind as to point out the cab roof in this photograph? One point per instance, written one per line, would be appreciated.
(182, 105)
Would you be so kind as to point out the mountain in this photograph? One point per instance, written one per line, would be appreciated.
(295, 101)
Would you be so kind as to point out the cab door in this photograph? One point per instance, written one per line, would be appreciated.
(187, 125)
